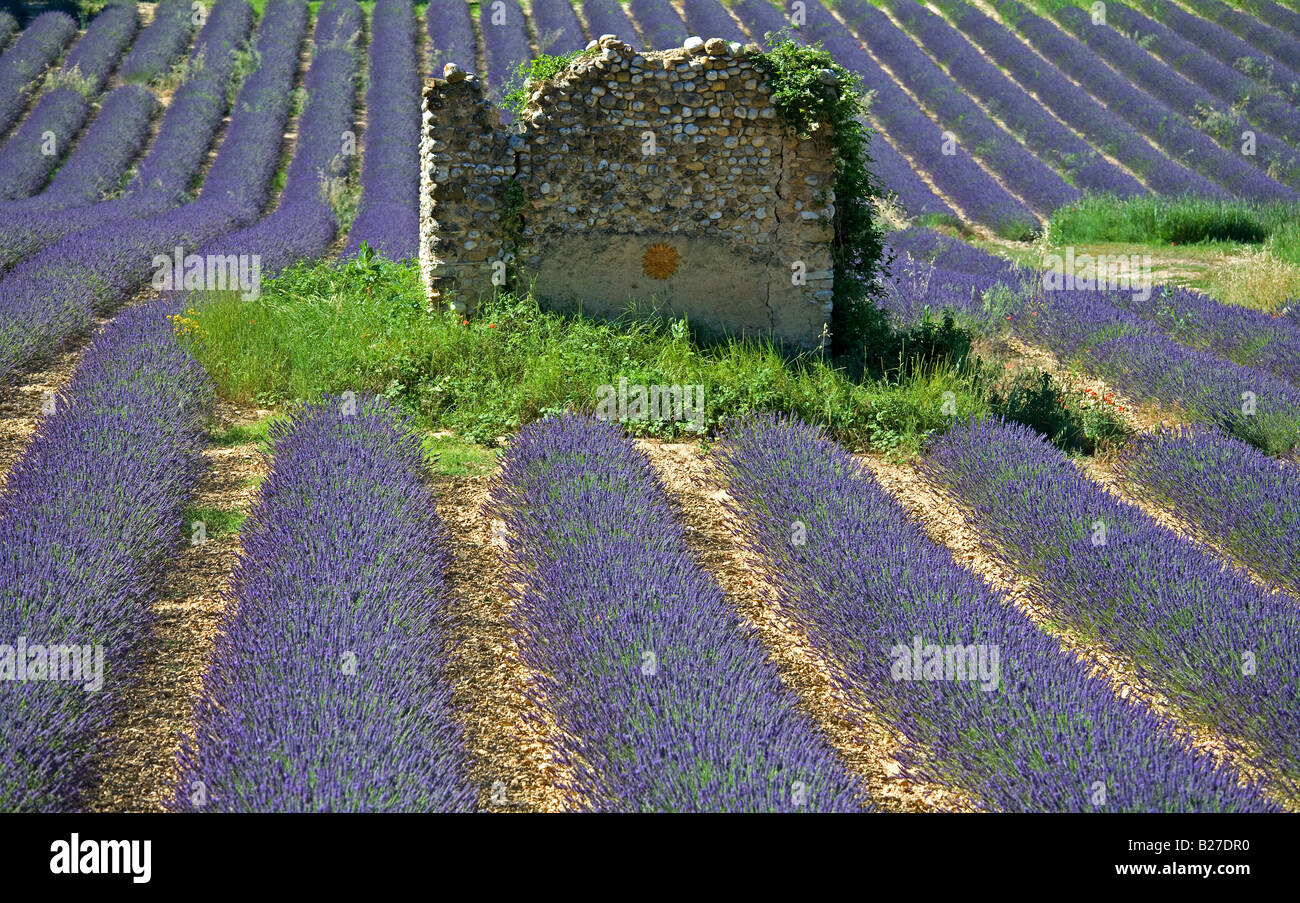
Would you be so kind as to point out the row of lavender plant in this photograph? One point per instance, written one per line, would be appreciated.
(304, 224)
(710, 19)
(1029, 177)
(163, 178)
(556, 27)
(1047, 137)
(1227, 48)
(329, 689)
(1222, 80)
(389, 217)
(1097, 329)
(1245, 336)
(40, 44)
(28, 158)
(1279, 17)
(671, 703)
(891, 169)
(608, 17)
(1225, 652)
(56, 294)
(161, 44)
(505, 44)
(864, 583)
(978, 195)
(1074, 106)
(115, 137)
(240, 178)
(1170, 132)
(661, 27)
(1245, 501)
(91, 513)
(1268, 153)
(1263, 35)
(451, 35)
(97, 52)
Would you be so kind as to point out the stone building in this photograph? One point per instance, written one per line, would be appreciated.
(665, 180)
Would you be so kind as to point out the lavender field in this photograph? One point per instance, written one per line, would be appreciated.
(301, 542)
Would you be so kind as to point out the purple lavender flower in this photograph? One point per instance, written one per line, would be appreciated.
(870, 589)
(329, 688)
(672, 704)
(1225, 652)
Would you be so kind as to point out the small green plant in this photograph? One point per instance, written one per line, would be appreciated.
(531, 73)
(1069, 420)
(216, 522)
(812, 92)
(68, 78)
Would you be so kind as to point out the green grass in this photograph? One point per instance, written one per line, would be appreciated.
(218, 521)
(1189, 221)
(454, 457)
(257, 432)
(364, 325)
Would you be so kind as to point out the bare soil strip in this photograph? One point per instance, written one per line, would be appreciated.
(867, 745)
(139, 774)
(942, 518)
(515, 764)
(22, 405)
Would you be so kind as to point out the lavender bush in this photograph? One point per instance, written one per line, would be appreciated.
(92, 512)
(1104, 130)
(40, 44)
(1244, 500)
(672, 704)
(328, 690)
(1080, 165)
(304, 224)
(1226, 47)
(1223, 123)
(661, 27)
(505, 43)
(978, 195)
(451, 35)
(161, 44)
(608, 17)
(389, 218)
(26, 160)
(862, 581)
(556, 27)
(1169, 131)
(95, 55)
(1265, 38)
(163, 178)
(24, 163)
(1230, 86)
(1041, 188)
(1226, 653)
(56, 293)
(710, 19)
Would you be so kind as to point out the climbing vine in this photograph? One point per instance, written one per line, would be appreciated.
(812, 93)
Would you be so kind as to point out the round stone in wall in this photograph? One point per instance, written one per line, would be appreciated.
(660, 261)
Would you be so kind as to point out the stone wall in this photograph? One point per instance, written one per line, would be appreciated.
(662, 179)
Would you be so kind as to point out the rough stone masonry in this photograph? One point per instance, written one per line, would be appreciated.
(662, 181)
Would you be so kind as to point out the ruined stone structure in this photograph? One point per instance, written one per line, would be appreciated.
(662, 179)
